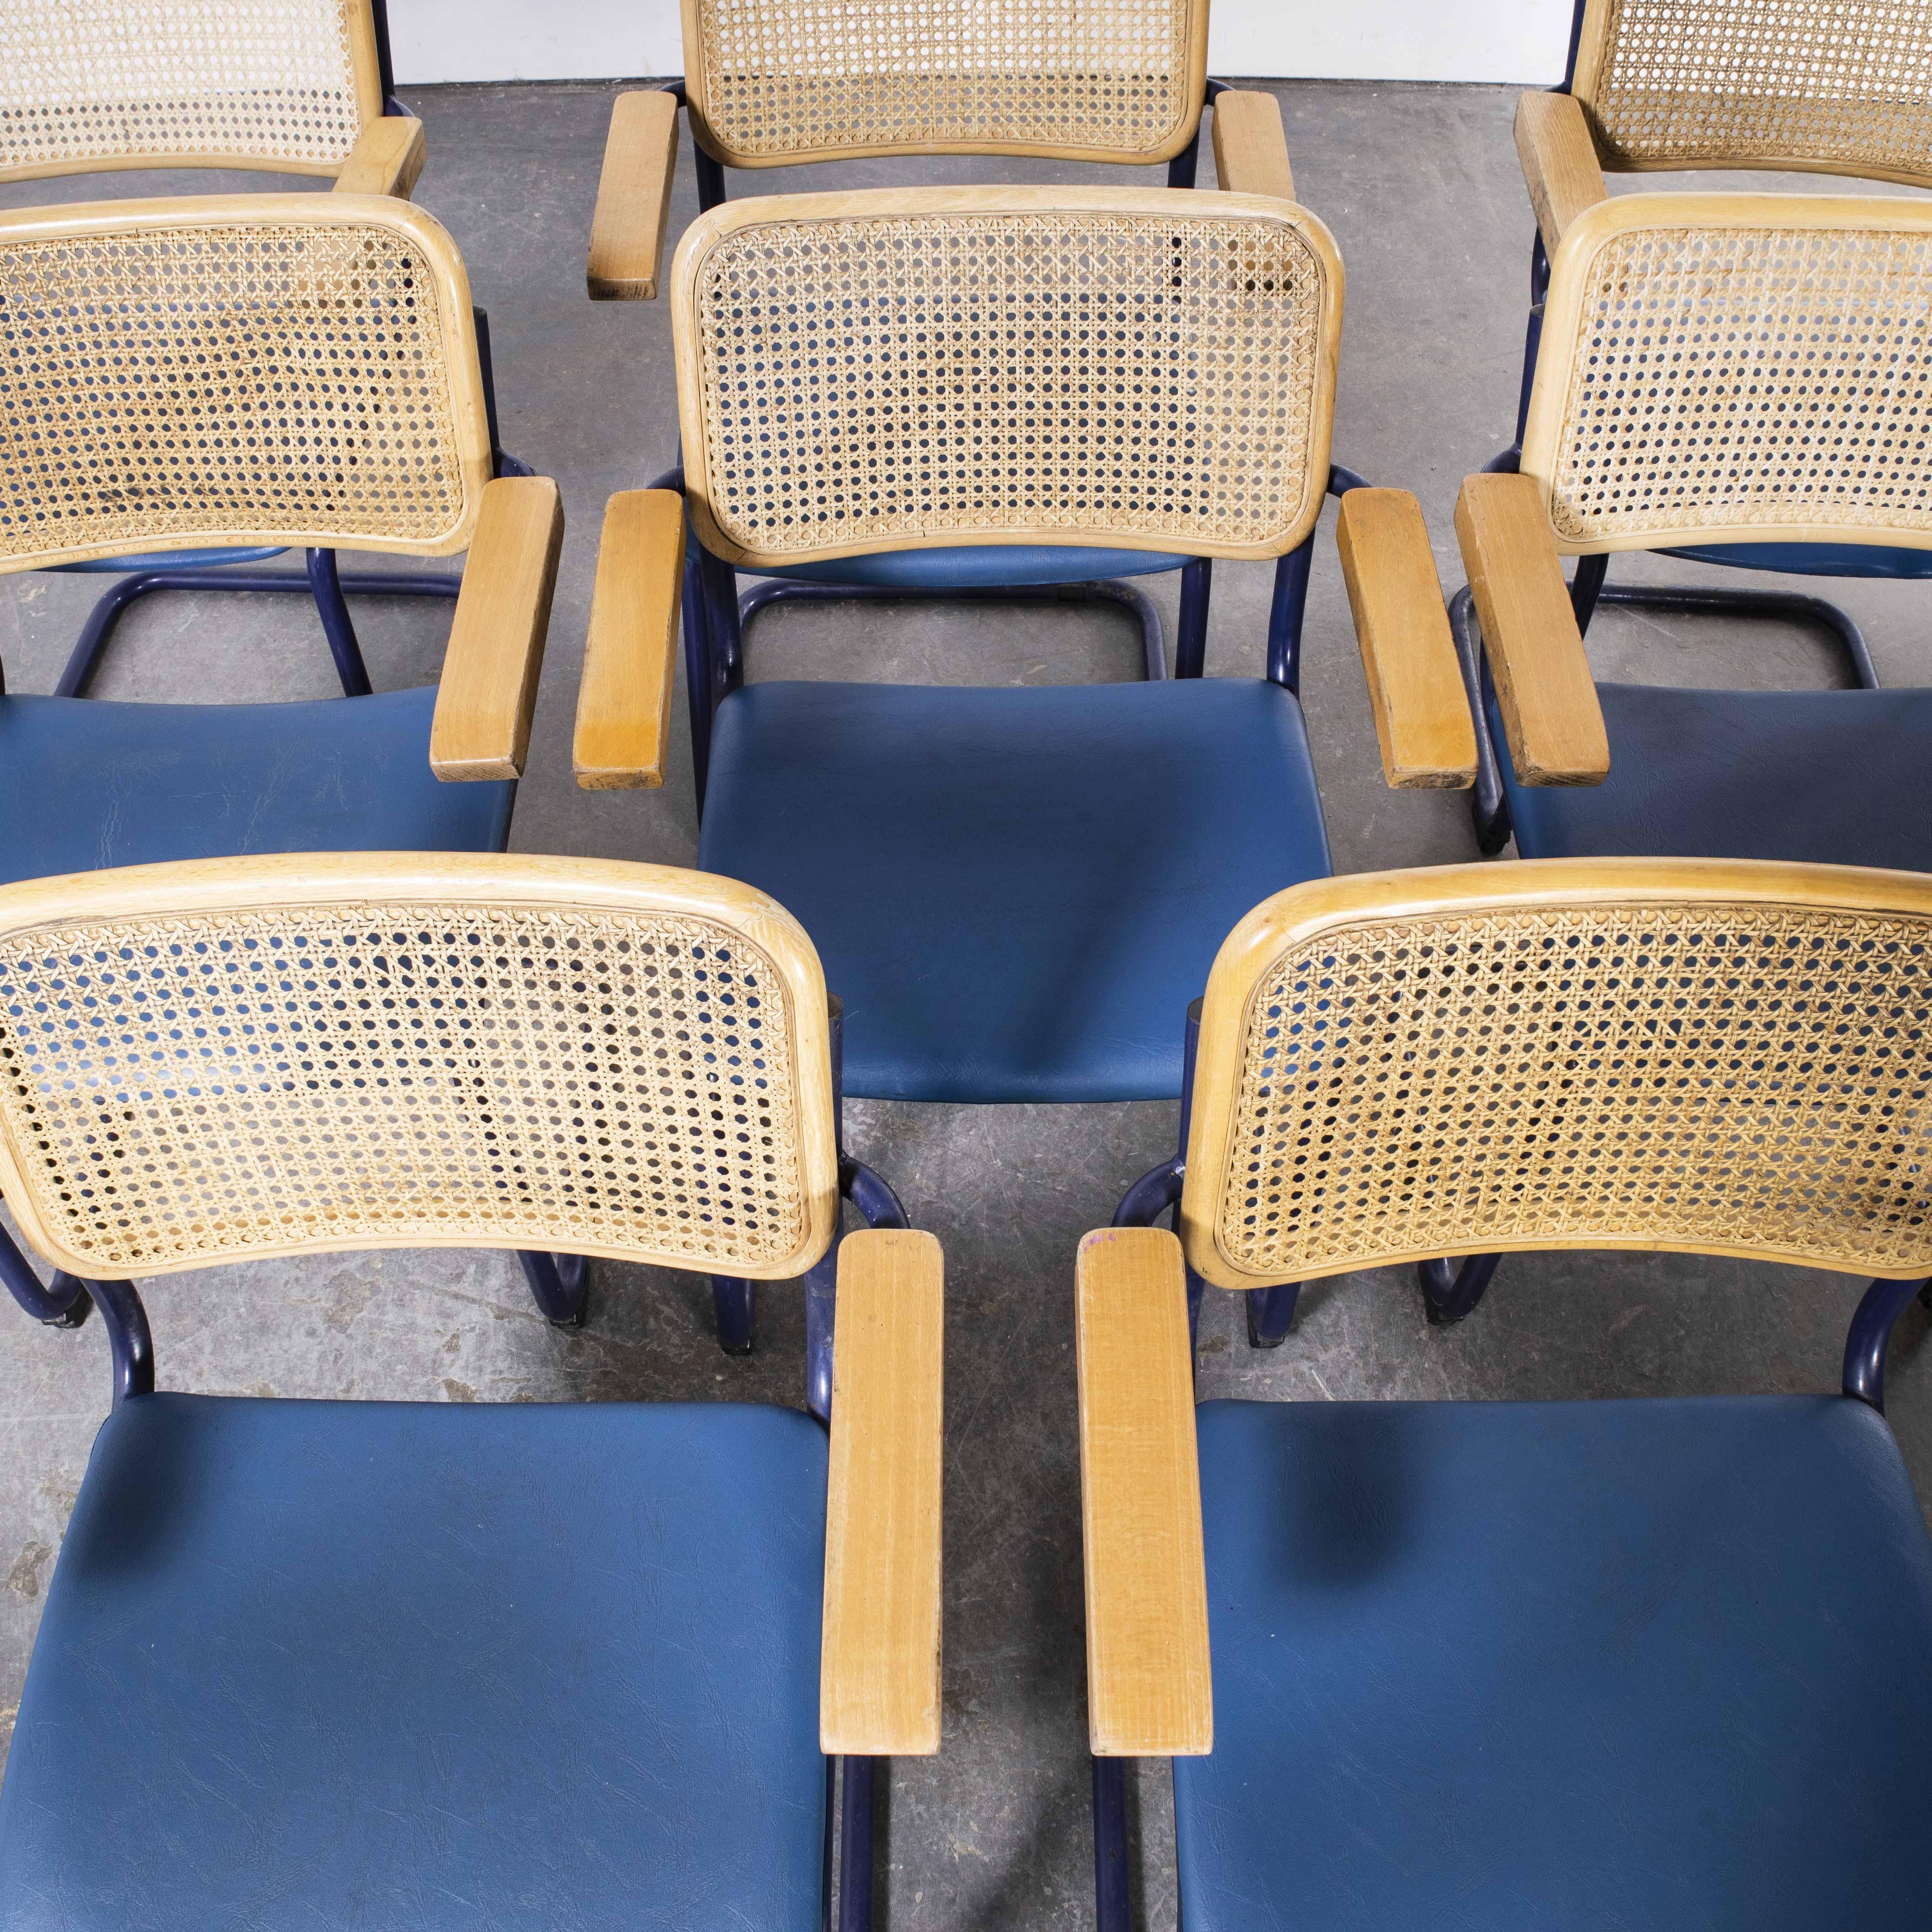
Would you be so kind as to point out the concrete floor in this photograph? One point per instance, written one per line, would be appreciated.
(1420, 186)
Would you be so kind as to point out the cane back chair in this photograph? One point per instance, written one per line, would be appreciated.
(1715, 370)
(293, 370)
(917, 371)
(776, 82)
(1633, 1662)
(1776, 84)
(309, 1651)
(294, 86)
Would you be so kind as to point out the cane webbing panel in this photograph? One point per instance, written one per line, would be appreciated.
(1737, 378)
(1735, 1077)
(83, 82)
(189, 1088)
(1845, 87)
(199, 383)
(1016, 377)
(777, 79)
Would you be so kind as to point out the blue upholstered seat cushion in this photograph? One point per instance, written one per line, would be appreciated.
(85, 784)
(366, 1666)
(1520, 1667)
(1817, 560)
(1016, 891)
(1837, 777)
(982, 566)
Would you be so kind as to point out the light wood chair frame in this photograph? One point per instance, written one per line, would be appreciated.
(1138, 1287)
(633, 211)
(387, 158)
(873, 1298)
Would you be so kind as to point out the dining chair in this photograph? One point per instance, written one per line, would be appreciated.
(301, 87)
(298, 370)
(366, 1663)
(1521, 1664)
(1716, 371)
(775, 83)
(1014, 888)
(1760, 84)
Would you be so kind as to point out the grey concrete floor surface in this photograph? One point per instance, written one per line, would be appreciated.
(1420, 185)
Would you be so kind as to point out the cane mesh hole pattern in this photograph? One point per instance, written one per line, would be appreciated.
(1010, 375)
(1847, 83)
(198, 1087)
(94, 80)
(1732, 1076)
(206, 382)
(798, 76)
(1724, 377)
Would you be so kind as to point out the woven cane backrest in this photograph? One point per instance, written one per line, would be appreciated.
(875, 371)
(1720, 1057)
(1839, 88)
(214, 1060)
(91, 84)
(1737, 368)
(776, 81)
(298, 369)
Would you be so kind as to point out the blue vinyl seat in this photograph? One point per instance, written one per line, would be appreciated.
(1831, 777)
(85, 784)
(368, 1664)
(1014, 891)
(1525, 1665)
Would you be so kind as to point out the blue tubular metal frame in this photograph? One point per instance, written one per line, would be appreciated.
(320, 578)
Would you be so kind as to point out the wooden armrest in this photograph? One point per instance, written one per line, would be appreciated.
(1559, 162)
(1415, 685)
(388, 158)
(878, 1688)
(1250, 146)
(623, 700)
(1548, 698)
(627, 232)
(1149, 1692)
(489, 688)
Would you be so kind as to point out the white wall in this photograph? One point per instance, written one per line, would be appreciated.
(1521, 40)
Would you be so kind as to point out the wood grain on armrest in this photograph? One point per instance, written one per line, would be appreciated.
(1250, 145)
(627, 232)
(1544, 690)
(630, 656)
(388, 158)
(1559, 162)
(490, 671)
(1149, 1690)
(879, 1671)
(1422, 710)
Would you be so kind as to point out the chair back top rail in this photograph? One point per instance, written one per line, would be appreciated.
(227, 1060)
(1736, 368)
(87, 85)
(288, 369)
(773, 82)
(1143, 368)
(1730, 1057)
(1845, 89)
